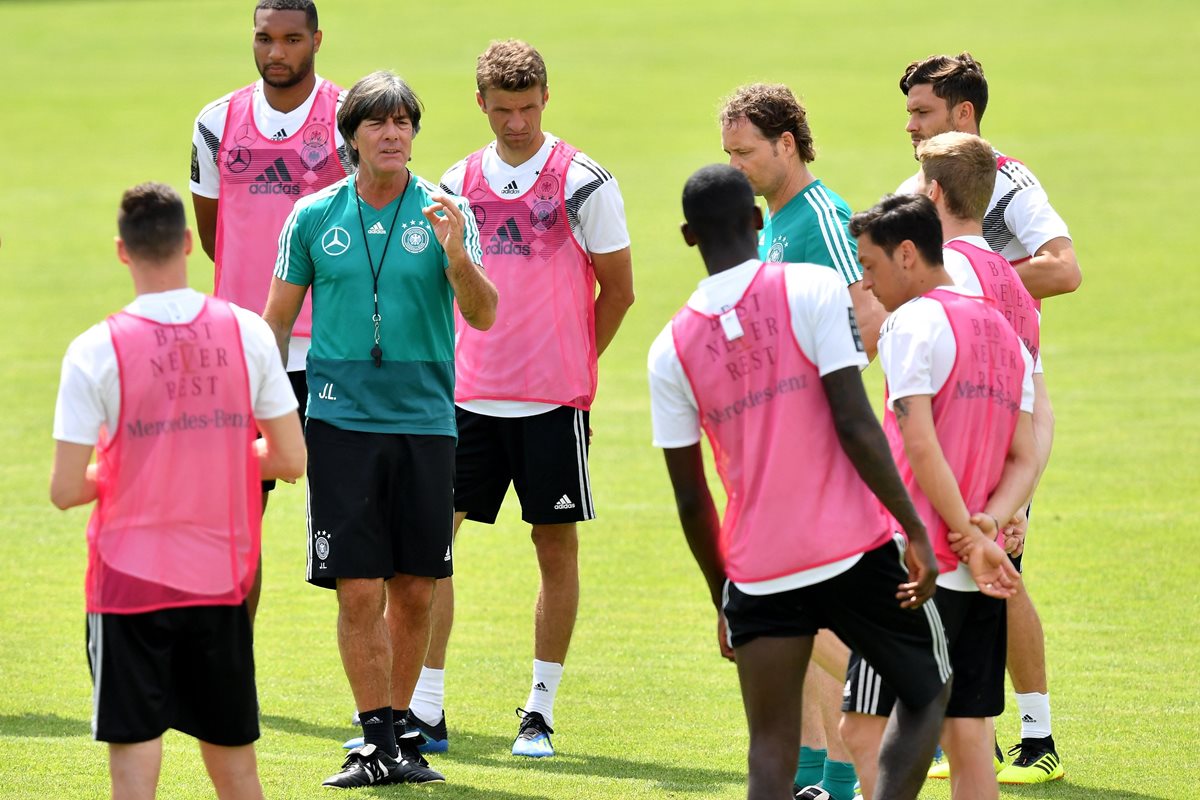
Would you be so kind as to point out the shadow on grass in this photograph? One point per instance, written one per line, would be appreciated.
(43, 726)
(484, 750)
(496, 751)
(1062, 790)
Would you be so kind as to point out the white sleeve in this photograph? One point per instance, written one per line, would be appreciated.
(909, 186)
(674, 413)
(1027, 382)
(602, 220)
(958, 267)
(206, 145)
(822, 318)
(916, 349)
(271, 394)
(453, 179)
(87, 391)
(1032, 219)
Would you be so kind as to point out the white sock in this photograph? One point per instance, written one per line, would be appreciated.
(429, 695)
(1035, 715)
(546, 676)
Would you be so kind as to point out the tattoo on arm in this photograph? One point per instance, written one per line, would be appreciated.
(899, 408)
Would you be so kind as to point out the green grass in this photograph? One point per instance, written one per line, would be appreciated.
(1097, 97)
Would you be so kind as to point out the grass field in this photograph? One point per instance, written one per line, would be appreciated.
(1097, 97)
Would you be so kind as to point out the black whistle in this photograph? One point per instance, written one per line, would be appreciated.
(377, 354)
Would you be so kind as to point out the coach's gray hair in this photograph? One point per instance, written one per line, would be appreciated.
(379, 96)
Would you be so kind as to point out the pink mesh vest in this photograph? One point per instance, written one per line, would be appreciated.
(261, 179)
(542, 346)
(794, 499)
(177, 520)
(974, 413)
(1001, 283)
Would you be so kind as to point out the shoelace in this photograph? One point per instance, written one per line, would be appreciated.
(528, 721)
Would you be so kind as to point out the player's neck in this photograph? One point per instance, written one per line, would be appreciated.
(289, 98)
(724, 257)
(952, 228)
(795, 183)
(154, 278)
(380, 188)
(514, 157)
(930, 278)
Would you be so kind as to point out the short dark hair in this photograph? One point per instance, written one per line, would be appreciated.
(900, 217)
(379, 95)
(151, 221)
(774, 110)
(307, 6)
(953, 78)
(718, 201)
(510, 66)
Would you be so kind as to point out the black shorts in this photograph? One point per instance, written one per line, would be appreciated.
(299, 381)
(545, 457)
(976, 631)
(378, 504)
(860, 606)
(191, 669)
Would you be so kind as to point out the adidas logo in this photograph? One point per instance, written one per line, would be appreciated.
(373, 721)
(275, 179)
(506, 241)
(1028, 718)
(376, 228)
(540, 687)
(510, 188)
(563, 503)
(447, 558)
(280, 134)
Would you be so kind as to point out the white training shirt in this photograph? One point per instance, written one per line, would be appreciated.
(1019, 218)
(963, 274)
(821, 314)
(917, 352)
(595, 211)
(210, 125)
(89, 392)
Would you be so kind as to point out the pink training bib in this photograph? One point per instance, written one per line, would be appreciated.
(974, 413)
(178, 517)
(1002, 284)
(542, 346)
(795, 500)
(261, 179)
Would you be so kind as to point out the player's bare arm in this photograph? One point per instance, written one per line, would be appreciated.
(614, 276)
(206, 223)
(476, 295)
(700, 523)
(283, 306)
(864, 443)
(1020, 473)
(1052, 270)
(73, 478)
(869, 314)
(281, 452)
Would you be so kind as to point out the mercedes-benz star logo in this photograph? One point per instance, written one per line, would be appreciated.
(238, 160)
(335, 241)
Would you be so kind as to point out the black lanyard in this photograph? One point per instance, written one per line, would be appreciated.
(377, 351)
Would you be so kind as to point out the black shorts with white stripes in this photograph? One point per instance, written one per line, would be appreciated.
(976, 631)
(860, 606)
(545, 457)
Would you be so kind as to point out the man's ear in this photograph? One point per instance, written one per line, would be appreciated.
(688, 236)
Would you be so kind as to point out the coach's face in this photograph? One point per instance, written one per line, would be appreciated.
(883, 273)
(928, 114)
(284, 47)
(384, 145)
(762, 161)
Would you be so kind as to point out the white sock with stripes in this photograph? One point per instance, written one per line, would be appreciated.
(546, 676)
(1035, 715)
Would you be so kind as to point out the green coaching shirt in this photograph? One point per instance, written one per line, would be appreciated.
(811, 228)
(323, 245)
